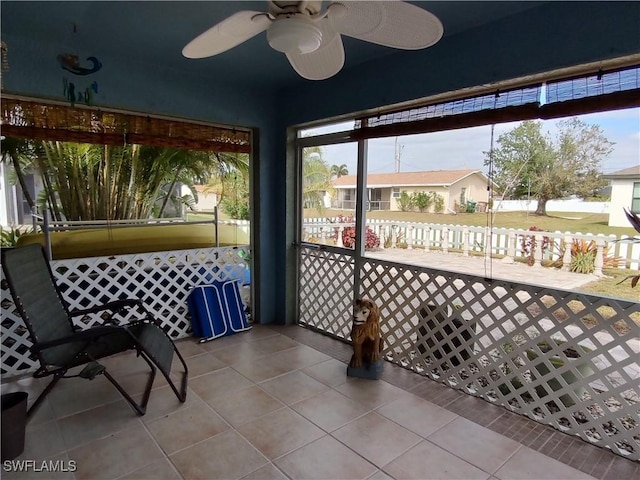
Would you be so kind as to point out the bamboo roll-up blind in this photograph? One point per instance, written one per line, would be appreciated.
(37, 120)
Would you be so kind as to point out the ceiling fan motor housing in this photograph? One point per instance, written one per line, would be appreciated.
(294, 34)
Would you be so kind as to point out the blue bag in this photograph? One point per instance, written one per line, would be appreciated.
(216, 310)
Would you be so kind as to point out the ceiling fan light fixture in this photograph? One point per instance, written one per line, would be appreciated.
(294, 34)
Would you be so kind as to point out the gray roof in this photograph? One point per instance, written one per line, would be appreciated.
(631, 172)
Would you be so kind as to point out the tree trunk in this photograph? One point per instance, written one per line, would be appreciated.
(542, 206)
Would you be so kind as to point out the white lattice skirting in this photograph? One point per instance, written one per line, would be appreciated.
(161, 279)
(562, 358)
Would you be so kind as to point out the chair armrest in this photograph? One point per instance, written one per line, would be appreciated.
(114, 306)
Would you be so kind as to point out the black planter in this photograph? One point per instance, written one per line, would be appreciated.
(14, 421)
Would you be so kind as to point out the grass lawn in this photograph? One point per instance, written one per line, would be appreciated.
(555, 221)
(610, 286)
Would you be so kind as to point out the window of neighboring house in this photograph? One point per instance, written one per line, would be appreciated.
(635, 200)
(347, 195)
(395, 192)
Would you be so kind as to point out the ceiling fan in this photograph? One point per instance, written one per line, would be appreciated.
(310, 37)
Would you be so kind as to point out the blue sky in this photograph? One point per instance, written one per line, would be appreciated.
(459, 149)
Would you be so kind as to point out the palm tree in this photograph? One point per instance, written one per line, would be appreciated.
(89, 182)
(316, 179)
(338, 171)
(172, 167)
(226, 168)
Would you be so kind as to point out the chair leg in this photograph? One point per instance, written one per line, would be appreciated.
(34, 407)
(140, 408)
(156, 345)
(182, 394)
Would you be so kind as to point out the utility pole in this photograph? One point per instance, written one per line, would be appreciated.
(398, 154)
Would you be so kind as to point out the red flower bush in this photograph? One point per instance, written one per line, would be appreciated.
(529, 245)
(349, 234)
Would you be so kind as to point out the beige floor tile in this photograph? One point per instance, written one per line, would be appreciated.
(293, 387)
(332, 372)
(224, 342)
(370, 393)
(427, 461)
(43, 414)
(264, 369)
(275, 343)
(417, 415)
(330, 410)
(268, 472)
(225, 456)
(96, 423)
(73, 395)
(230, 427)
(122, 362)
(158, 470)
(202, 364)
(239, 352)
(218, 383)
(325, 458)
(279, 432)
(163, 401)
(302, 356)
(258, 332)
(42, 440)
(380, 475)
(527, 464)
(116, 455)
(476, 444)
(245, 405)
(189, 347)
(186, 427)
(376, 438)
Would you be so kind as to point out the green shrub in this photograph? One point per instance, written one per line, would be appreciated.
(422, 200)
(405, 201)
(9, 237)
(438, 203)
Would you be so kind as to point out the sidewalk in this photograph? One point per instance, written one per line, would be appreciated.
(490, 268)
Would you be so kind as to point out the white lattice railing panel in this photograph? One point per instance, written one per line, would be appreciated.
(561, 358)
(326, 291)
(161, 279)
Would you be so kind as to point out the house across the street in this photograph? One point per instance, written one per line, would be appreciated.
(625, 192)
(456, 187)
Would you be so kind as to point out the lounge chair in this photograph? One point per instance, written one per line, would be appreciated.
(60, 345)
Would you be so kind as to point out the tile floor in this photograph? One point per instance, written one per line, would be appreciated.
(275, 403)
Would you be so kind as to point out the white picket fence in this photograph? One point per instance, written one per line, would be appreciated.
(502, 242)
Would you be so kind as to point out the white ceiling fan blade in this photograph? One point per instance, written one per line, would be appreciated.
(394, 24)
(227, 34)
(323, 63)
